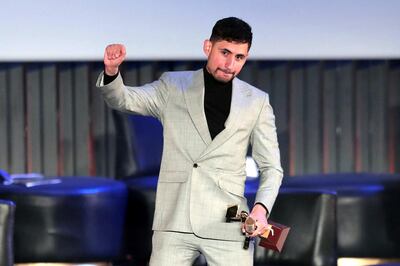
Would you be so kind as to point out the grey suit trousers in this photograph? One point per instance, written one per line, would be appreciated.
(182, 249)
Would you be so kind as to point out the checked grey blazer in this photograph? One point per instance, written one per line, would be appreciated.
(200, 177)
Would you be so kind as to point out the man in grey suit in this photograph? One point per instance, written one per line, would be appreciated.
(210, 118)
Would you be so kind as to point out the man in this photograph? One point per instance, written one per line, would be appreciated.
(209, 118)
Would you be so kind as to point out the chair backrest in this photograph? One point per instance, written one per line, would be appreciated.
(7, 209)
(312, 238)
(139, 145)
(361, 196)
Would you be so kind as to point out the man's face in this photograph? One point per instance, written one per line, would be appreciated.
(225, 59)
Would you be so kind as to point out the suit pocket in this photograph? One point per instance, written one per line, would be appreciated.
(231, 187)
(173, 176)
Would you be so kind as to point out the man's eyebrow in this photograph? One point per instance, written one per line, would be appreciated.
(226, 50)
(229, 51)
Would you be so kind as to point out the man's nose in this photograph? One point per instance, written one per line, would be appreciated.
(229, 63)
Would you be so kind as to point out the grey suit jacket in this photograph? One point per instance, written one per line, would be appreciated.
(200, 177)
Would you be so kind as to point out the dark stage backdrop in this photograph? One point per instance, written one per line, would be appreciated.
(332, 116)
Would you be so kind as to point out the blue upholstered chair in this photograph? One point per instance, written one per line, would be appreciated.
(7, 210)
(79, 219)
(367, 211)
(139, 149)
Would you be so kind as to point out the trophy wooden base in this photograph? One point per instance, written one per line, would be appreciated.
(274, 238)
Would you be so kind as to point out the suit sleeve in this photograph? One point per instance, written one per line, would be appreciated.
(148, 100)
(265, 152)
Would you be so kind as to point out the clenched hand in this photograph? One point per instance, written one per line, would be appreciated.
(114, 55)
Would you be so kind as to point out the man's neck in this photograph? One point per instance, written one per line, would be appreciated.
(210, 80)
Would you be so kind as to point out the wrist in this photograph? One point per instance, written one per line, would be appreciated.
(260, 208)
(111, 71)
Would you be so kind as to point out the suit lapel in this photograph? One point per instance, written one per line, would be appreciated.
(194, 97)
(239, 102)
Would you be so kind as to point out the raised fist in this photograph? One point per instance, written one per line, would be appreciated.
(114, 55)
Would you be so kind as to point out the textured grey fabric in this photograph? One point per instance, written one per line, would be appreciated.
(174, 248)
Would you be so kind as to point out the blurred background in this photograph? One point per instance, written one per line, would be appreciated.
(332, 70)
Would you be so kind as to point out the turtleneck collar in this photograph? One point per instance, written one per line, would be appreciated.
(211, 82)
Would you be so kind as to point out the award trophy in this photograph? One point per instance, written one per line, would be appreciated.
(274, 238)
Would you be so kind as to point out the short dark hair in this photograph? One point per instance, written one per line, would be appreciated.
(232, 29)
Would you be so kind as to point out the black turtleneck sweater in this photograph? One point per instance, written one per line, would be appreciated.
(217, 101)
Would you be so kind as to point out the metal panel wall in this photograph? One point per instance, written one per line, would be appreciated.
(331, 116)
(393, 112)
(4, 119)
(66, 125)
(17, 119)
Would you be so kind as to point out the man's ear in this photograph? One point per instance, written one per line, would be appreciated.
(207, 47)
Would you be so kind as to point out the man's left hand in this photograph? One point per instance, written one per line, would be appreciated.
(259, 214)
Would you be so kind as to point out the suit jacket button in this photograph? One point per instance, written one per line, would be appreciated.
(195, 165)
